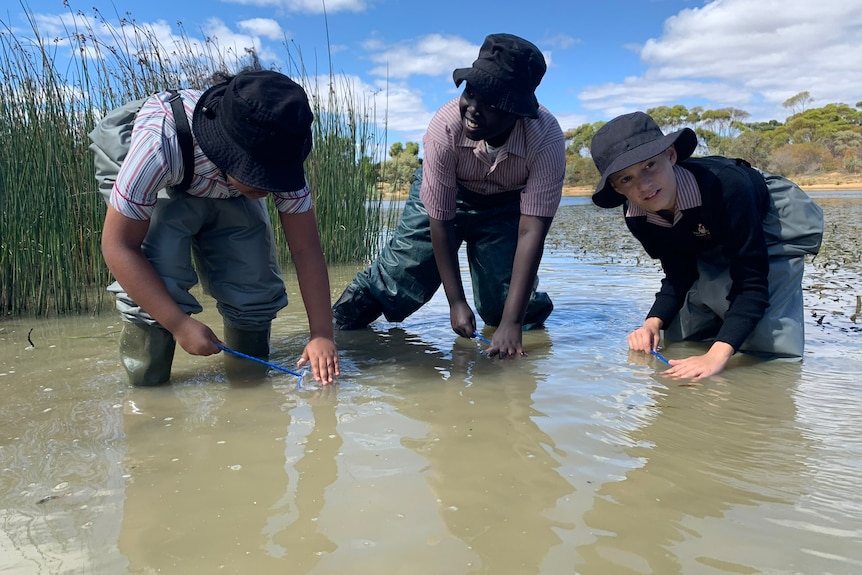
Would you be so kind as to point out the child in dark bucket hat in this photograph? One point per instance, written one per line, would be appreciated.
(506, 73)
(252, 133)
(491, 177)
(731, 240)
(257, 130)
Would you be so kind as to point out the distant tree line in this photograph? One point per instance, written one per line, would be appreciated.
(811, 141)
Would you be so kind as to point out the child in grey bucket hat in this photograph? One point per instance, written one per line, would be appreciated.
(731, 240)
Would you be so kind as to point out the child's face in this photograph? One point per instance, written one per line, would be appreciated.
(249, 192)
(651, 184)
(483, 121)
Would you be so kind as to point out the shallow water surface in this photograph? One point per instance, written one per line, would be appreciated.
(428, 458)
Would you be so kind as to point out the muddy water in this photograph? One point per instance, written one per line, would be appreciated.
(428, 458)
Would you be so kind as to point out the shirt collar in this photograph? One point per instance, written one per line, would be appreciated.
(515, 144)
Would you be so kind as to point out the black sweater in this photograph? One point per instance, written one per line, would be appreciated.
(726, 230)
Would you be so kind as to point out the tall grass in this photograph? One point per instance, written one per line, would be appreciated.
(341, 173)
(50, 212)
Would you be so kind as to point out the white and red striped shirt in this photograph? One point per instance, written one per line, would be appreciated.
(154, 161)
(533, 159)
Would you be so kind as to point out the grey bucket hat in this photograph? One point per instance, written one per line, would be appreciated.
(628, 140)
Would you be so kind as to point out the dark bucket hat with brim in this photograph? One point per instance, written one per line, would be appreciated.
(628, 140)
(257, 129)
(506, 74)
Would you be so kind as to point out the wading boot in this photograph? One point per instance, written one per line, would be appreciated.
(354, 309)
(250, 342)
(147, 352)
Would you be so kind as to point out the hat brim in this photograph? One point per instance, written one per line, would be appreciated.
(685, 142)
(518, 103)
(283, 173)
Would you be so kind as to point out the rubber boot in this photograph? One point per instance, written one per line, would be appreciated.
(250, 342)
(147, 352)
(354, 309)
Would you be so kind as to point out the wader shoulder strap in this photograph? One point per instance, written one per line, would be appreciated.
(184, 137)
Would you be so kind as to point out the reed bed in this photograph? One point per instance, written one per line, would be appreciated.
(50, 211)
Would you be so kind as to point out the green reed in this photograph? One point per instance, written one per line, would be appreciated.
(50, 212)
(341, 173)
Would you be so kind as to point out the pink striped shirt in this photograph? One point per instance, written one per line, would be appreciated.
(687, 197)
(532, 159)
(154, 161)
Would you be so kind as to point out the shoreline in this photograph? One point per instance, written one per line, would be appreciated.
(583, 191)
(586, 191)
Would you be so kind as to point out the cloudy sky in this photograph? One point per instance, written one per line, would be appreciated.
(605, 57)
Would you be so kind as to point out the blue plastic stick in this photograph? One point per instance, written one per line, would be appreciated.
(481, 337)
(264, 362)
(660, 356)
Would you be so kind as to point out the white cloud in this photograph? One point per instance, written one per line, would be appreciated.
(405, 112)
(219, 40)
(569, 121)
(432, 55)
(308, 6)
(266, 27)
(229, 42)
(754, 53)
(391, 107)
(561, 41)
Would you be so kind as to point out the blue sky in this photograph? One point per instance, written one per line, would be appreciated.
(605, 57)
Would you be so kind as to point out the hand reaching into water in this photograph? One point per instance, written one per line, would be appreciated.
(699, 366)
(506, 342)
(322, 356)
(647, 337)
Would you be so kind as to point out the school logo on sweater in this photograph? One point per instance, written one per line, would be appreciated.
(702, 233)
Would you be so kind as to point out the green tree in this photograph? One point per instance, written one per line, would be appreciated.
(396, 149)
(578, 140)
(842, 141)
(797, 103)
(753, 146)
(580, 171)
(725, 122)
(852, 160)
(670, 119)
(397, 172)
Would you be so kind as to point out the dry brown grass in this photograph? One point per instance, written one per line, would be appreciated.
(830, 181)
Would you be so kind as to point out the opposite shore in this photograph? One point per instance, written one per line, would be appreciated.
(818, 183)
(848, 186)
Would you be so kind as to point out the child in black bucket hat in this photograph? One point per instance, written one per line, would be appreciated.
(491, 177)
(252, 133)
(731, 240)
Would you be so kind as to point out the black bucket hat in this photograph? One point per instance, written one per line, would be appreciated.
(628, 140)
(257, 129)
(506, 74)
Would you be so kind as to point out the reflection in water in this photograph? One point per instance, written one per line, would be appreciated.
(488, 463)
(703, 457)
(429, 458)
(207, 493)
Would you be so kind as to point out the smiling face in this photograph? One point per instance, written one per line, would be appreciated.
(651, 184)
(482, 121)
